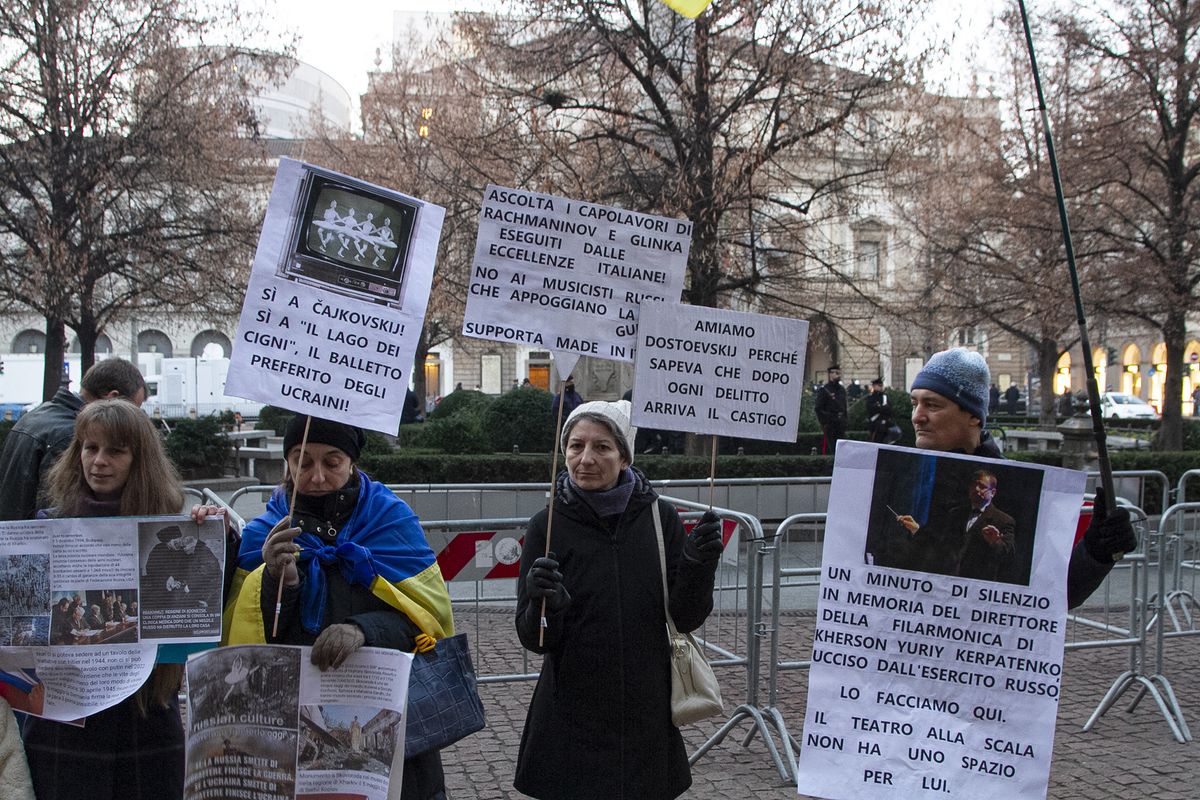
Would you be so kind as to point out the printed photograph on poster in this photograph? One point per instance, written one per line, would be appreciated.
(244, 686)
(25, 584)
(245, 762)
(341, 737)
(181, 576)
(952, 517)
(348, 238)
(94, 616)
(25, 631)
(23, 690)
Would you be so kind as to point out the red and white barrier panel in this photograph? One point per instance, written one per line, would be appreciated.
(495, 555)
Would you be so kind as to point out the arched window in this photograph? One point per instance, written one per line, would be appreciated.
(103, 345)
(29, 341)
(152, 341)
(211, 344)
(1062, 374)
(1131, 370)
(1158, 375)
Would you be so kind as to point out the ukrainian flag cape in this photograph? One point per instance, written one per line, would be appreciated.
(381, 547)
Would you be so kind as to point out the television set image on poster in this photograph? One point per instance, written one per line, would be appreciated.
(350, 238)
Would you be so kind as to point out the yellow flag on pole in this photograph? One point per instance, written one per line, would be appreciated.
(688, 8)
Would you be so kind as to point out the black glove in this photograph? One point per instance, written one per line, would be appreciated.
(545, 581)
(703, 545)
(1108, 539)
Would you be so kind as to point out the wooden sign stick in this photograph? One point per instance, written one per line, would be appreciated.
(562, 391)
(291, 513)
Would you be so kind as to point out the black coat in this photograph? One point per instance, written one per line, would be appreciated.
(830, 406)
(30, 449)
(599, 725)
(1084, 573)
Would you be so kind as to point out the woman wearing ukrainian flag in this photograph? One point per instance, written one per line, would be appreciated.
(355, 566)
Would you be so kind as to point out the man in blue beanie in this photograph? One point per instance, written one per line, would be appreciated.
(950, 400)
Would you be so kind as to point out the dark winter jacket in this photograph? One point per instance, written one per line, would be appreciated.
(1084, 573)
(830, 406)
(345, 602)
(599, 724)
(30, 449)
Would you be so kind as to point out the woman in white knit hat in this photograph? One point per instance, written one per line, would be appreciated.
(599, 724)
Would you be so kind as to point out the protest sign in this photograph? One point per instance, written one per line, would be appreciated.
(84, 602)
(712, 371)
(940, 626)
(336, 299)
(570, 276)
(264, 723)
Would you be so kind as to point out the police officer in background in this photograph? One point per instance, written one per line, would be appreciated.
(879, 413)
(831, 410)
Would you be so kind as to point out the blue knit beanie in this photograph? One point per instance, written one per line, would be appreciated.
(959, 375)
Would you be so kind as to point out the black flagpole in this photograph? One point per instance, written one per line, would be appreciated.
(1093, 390)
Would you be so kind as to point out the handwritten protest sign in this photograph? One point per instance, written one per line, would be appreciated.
(570, 276)
(938, 650)
(336, 299)
(727, 373)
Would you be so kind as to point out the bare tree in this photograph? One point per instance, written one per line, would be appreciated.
(127, 179)
(984, 204)
(759, 122)
(1147, 55)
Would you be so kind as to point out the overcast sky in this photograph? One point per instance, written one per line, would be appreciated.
(340, 38)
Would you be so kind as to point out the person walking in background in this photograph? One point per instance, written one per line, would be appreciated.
(1011, 395)
(993, 399)
(879, 414)
(831, 410)
(40, 436)
(571, 398)
(599, 724)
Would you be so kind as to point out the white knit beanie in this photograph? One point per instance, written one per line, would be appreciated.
(615, 416)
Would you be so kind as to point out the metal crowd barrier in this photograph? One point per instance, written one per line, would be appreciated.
(732, 633)
(795, 550)
(1132, 484)
(1173, 602)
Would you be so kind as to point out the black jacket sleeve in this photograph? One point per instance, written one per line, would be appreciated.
(529, 609)
(690, 582)
(1084, 575)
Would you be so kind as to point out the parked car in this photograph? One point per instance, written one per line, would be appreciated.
(1117, 406)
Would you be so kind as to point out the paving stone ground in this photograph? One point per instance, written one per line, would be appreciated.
(1127, 755)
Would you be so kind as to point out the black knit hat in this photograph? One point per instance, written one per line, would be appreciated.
(347, 438)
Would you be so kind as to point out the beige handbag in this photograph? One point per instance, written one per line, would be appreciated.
(695, 693)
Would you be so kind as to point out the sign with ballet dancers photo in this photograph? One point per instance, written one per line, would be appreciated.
(85, 602)
(336, 298)
(265, 724)
(938, 650)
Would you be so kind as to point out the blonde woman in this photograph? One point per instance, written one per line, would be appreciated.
(115, 466)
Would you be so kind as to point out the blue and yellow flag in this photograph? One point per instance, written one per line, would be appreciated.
(381, 547)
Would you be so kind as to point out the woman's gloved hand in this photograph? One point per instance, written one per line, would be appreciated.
(335, 644)
(545, 581)
(279, 552)
(703, 545)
